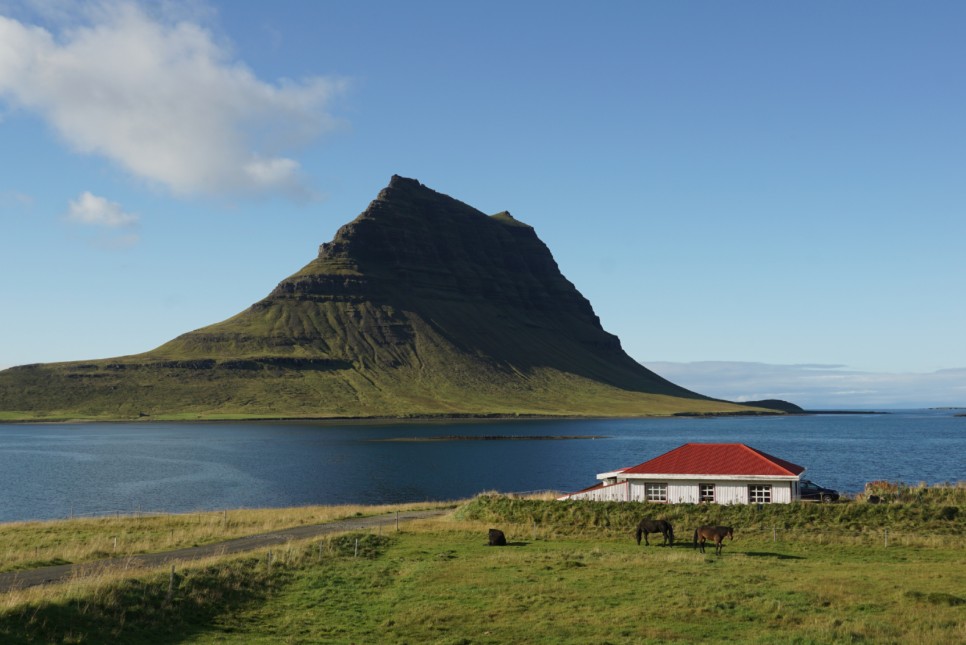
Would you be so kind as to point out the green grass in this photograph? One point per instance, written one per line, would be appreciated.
(569, 577)
(443, 585)
(58, 393)
(447, 587)
(28, 545)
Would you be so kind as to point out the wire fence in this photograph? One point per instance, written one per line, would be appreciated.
(881, 536)
(138, 513)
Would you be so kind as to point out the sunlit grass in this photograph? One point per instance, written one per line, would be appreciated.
(442, 584)
(25, 545)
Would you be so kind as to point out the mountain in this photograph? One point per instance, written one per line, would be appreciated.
(421, 306)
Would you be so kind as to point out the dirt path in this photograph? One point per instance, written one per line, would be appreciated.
(12, 580)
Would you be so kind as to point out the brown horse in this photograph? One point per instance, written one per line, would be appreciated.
(655, 526)
(716, 533)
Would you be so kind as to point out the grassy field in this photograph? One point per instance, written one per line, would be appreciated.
(572, 573)
(28, 545)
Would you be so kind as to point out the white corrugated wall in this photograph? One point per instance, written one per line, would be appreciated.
(613, 493)
(684, 491)
(728, 492)
(781, 493)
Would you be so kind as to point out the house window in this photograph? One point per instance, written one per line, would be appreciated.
(655, 492)
(759, 494)
(706, 493)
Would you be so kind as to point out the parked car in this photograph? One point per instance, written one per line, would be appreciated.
(809, 490)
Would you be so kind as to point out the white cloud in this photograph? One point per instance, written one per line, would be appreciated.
(112, 222)
(818, 386)
(92, 210)
(164, 100)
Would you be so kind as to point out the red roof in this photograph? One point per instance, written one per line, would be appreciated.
(715, 459)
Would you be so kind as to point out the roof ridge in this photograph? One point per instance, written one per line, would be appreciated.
(775, 460)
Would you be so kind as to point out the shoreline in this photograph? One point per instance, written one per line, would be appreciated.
(438, 418)
(494, 437)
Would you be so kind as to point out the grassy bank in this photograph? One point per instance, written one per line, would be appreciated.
(572, 573)
(922, 513)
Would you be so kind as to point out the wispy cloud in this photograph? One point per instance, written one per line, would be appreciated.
(165, 100)
(818, 386)
(109, 218)
(92, 210)
(12, 198)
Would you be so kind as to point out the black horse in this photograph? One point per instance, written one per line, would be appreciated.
(655, 526)
(497, 538)
(716, 533)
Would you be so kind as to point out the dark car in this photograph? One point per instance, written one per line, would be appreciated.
(809, 490)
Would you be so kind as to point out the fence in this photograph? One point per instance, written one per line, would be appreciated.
(871, 536)
(138, 513)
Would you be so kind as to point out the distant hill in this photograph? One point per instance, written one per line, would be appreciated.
(421, 306)
(776, 404)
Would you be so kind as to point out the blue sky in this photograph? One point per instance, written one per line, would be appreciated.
(779, 188)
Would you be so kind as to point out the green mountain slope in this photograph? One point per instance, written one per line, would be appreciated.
(421, 306)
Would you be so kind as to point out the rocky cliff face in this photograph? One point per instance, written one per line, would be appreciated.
(414, 244)
(421, 305)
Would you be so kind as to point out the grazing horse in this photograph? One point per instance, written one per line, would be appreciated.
(716, 533)
(655, 526)
(497, 538)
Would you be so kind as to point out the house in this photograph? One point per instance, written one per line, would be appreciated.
(719, 473)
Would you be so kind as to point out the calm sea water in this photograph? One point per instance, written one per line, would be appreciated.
(52, 471)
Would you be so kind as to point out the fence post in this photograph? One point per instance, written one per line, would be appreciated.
(170, 586)
(356, 555)
(397, 521)
(774, 534)
(887, 537)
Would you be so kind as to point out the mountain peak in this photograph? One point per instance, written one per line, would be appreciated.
(504, 217)
(398, 181)
(401, 184)
(407, 191)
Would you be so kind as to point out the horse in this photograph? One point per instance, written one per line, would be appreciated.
(497, 538)
(655, 526)
(716, 533)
